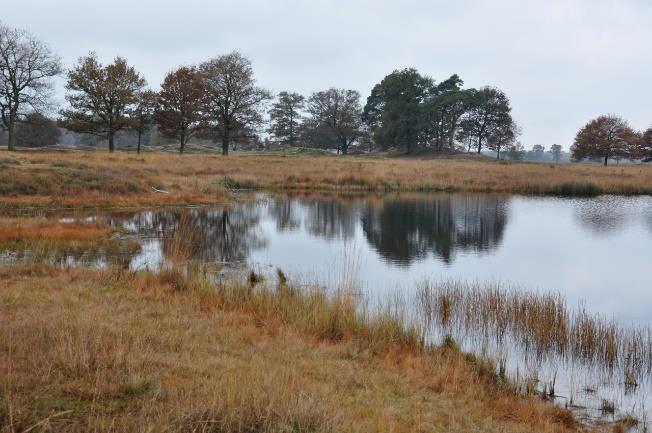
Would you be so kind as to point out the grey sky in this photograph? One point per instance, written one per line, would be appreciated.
(562, 62)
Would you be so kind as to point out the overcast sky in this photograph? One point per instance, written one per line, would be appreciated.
(561, 62)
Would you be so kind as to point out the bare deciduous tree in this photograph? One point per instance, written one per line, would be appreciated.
(555, 151)
(27, 66)
(101, 97)
(181, 104)
(235, 102)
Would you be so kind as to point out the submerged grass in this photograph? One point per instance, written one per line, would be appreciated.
(542, 324)
(84, 350)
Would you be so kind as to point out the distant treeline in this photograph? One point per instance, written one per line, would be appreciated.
(219, 101)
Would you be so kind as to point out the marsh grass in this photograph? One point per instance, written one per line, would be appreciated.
(116, 350)
(124, 351)
(541, 324)
(578, 189)
(333, 317)
(87, 178)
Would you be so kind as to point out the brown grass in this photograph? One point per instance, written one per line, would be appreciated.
(99, 351)
(97, 178)
(13, 229)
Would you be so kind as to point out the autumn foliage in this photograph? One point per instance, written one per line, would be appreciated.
(607, 137)
(181, 105)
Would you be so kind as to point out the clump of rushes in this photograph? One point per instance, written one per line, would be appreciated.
(282, 278)
(542, 323)
(253, 278)
(577, 189)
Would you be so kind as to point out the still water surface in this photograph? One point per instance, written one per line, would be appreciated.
(595, 251)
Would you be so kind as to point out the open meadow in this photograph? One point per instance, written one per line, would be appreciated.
(93, 178)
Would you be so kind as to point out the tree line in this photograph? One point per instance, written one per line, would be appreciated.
(218, 100)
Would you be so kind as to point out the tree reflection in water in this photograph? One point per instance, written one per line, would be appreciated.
(401, 230)
(331, 218)
(406, 230)
(224, 234)
(284, 211)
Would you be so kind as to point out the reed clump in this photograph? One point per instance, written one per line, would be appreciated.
(577, 189)
(541, 324)
(333, 317)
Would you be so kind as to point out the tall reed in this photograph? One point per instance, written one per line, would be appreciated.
(542, 324)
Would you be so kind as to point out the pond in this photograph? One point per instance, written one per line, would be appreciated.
(594, 252)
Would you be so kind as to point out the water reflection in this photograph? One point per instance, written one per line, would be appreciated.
(401, 229)
(330, 218)
(285, 213)
(611, 214)
(406, 230)
(226, 234)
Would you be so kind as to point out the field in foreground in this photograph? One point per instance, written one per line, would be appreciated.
(95, 178)
(84, 350)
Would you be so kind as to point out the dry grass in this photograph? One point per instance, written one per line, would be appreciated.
(15, 229)
(85, 350)
(96, 178)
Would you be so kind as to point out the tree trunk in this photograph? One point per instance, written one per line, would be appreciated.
(344, 145)
(140, 134)
(111, 144)
(182, 141)
(226, 140)
(479, 144)
(498, 154)
(11, 137)
(606, 158)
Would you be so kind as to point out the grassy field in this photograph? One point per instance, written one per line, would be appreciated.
(95, 178)
(104, 351)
